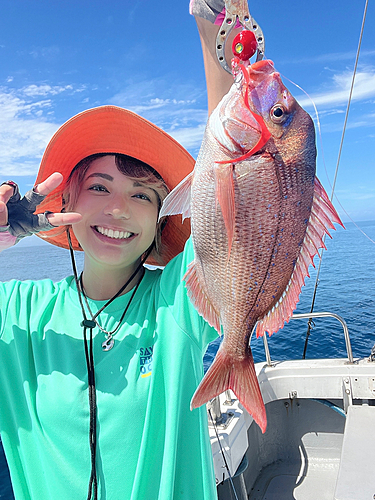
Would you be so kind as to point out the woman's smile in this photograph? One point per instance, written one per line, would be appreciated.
(113, 233)
(113, 236)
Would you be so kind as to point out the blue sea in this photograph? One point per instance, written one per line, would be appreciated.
(346, 287)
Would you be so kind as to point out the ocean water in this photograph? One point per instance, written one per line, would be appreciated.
(346, 287)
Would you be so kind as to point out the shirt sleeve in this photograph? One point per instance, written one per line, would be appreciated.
(9, 291)
(173, 290)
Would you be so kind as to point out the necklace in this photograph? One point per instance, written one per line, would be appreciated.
(91, 323)
(109, 341)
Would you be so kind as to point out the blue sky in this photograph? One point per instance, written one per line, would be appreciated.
(59, 58)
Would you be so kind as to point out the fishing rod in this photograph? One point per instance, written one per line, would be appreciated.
(310, 322)
(223, 455)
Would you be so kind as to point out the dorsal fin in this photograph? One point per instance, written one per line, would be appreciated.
(322, 216)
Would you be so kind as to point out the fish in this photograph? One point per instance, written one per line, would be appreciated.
(258, 217)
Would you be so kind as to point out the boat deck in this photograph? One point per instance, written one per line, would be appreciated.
(320, 415)
(303, 454)
(281, 482)
(297, 458)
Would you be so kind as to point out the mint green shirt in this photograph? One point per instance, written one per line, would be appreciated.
(150, 445)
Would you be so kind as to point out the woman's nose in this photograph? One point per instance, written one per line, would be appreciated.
(118, 208)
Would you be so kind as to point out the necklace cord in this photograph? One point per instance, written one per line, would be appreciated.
(94, 316)
(89, 352)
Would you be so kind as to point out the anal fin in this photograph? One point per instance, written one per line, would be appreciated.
(199, 298)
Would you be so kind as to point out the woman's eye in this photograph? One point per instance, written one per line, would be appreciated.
(142, 196)
(98, 187)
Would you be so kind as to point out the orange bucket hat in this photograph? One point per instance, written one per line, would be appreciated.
(110, 129)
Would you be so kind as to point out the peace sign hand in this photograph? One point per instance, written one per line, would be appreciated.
(17, 214)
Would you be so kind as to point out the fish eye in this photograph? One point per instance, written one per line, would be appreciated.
(278, 113)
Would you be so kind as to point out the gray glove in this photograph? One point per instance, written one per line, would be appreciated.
(21, 218)
(208, 9)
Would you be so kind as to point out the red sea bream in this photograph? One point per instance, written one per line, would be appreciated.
(258, 216)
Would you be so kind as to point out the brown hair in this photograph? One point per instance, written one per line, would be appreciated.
(129, 166)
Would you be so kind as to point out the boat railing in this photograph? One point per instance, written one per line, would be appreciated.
(312, 315)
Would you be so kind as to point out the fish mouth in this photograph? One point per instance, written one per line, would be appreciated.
(113, 233)
(258, 72)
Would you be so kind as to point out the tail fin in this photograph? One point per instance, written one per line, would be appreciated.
(237, 375)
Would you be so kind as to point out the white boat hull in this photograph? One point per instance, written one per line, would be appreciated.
(315, 411)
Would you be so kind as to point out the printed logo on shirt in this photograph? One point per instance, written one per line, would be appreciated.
(145, 361)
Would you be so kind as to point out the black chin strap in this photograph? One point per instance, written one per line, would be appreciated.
(90, 324)
(93, 483)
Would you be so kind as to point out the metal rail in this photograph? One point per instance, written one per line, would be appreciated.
(316, 315)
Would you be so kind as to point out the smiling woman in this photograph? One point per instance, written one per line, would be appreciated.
(104, 195)
(112, 203)
(97, 370)
(143, 175)
(100, 187)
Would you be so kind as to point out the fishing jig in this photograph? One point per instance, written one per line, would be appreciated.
(238, 11)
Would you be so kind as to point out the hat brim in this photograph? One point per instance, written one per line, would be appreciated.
(110, 129)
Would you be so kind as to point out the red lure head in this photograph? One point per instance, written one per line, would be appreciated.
(244, 45)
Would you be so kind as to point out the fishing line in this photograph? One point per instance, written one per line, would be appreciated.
(344, 127)
(222, 452)
(310, 322)
(332, 186)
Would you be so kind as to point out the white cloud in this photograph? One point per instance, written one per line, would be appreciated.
(23, 134)
(44, 90)
(27, 124)
(183, 116)
(338, 92)
(190, 137)
(27, 118)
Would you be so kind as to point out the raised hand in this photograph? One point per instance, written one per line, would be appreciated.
(17, 214)
(59, 219)
(6, 192)
(207, 9)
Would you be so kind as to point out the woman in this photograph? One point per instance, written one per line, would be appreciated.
(107, 416)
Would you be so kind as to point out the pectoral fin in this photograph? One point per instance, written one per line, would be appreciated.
(225, 197)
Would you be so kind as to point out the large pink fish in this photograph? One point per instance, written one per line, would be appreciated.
(258, 216)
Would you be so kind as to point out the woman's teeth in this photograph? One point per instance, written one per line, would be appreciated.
(118, 235)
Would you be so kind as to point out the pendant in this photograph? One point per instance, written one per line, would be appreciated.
(108, 343)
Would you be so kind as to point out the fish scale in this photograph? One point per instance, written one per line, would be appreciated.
(258, 216)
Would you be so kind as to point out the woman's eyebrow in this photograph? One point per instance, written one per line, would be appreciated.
(140, 184)
(100, 174)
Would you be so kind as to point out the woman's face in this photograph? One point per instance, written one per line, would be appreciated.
(119, 215)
